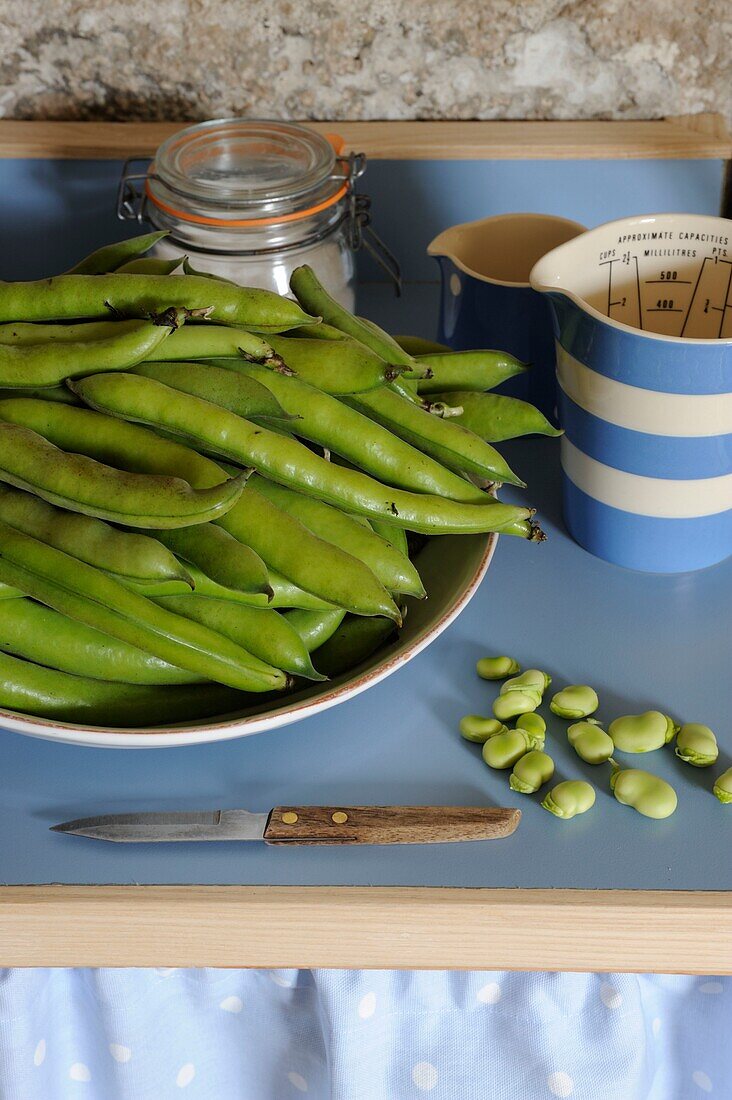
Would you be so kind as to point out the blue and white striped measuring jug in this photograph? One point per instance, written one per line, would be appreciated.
(643, 325)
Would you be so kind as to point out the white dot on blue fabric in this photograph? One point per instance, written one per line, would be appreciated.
(710, 987)
(231, 1004)
(489, 994)
(119, 1052)
(279, 979)
(39, 1054)
(185, 1075)
(297, 1081)
(560, 1083)
(367, 1005)
(424, 1076)
(656, 1025)
(79, 1072)
(701, 1080)
(610, 996)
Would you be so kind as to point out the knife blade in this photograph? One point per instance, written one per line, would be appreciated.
(305, 825)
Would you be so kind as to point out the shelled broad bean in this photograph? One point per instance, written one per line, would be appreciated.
(521, 747)
(146, 580)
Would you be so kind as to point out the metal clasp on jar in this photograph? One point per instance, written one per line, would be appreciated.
(361, 233)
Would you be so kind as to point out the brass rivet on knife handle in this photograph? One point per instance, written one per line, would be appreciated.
(388, 824)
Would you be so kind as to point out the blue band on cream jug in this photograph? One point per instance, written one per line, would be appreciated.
(487, 302)
(643, 325)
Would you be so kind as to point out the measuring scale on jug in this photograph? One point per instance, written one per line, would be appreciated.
(643, 326)
(670, 288)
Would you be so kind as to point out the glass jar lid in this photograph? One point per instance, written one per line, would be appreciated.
(246, 172)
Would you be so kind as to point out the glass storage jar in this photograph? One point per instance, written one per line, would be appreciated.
(252, 200)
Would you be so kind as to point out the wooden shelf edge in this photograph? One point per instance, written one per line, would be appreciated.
(366, 927)
(684, 137)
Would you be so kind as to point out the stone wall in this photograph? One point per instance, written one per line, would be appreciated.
(390, 59)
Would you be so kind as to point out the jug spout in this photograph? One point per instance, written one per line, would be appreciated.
(502, 249)
(450, 244)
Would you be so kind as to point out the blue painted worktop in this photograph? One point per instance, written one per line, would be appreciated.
(641, 640)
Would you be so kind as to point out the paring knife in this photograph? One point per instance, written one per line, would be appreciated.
(306, 825)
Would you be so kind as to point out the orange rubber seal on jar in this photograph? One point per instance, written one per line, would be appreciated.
(240, 223)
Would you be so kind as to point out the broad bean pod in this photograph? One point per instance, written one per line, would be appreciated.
(306, 288)
(291, 463)
(397, 536)
(285, 594)
(84, 593)
(466, 370)
(265, 633)
(322, 331)
(393, 569)
(126, 553)
(150, 265)
(494, 417)
(335, 366)
(186, 343)
(353, 642)
(48, 364)
(193, 342)
(190, 270)
(47, 693)
(444, 440)
(111, 256)
(44, 636)
(313, 297)
(315, 627)
(220, 556)
(60, 394)
(418, 345)
(112, 441)
(135, 448)
(69, 297)
(317, 566)
(373, 448)
(289, 595)
(81, 484)
(236, 391)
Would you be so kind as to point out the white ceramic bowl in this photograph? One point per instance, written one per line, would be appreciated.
(451, 567)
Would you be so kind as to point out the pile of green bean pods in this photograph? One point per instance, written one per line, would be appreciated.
(522, 747)
(212, 494)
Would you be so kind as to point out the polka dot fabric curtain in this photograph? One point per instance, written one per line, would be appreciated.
(361, 1035)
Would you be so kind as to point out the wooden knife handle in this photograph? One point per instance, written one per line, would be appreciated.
(387, 824)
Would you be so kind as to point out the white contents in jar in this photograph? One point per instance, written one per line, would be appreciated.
(331, 258)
